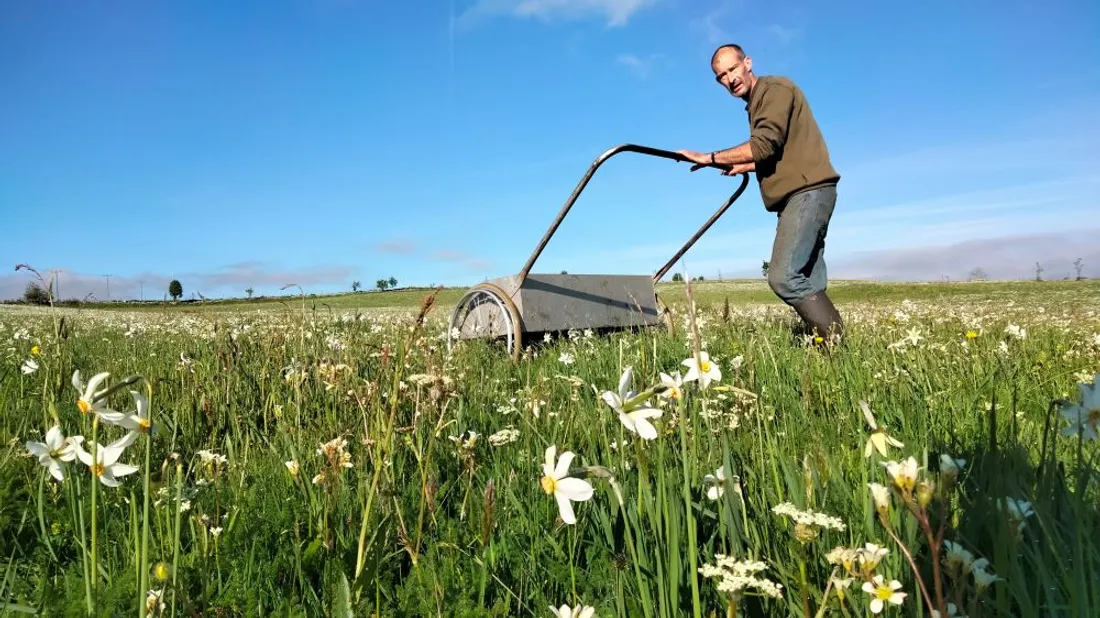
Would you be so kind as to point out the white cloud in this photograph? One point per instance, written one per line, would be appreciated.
(861, 239)
(710, 23)
(1001, 257)
(641, 67)
(616, 12)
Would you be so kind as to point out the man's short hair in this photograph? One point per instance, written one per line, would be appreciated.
(735, 47)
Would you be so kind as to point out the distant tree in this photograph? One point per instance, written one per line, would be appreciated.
(765, 267)
(677, 277)
(249, 292)
(175, 289)
(382, 284)
(978, 274)
(35, 294)
(355, 285)
(392, 282)
(1038, 272)
(1079, 265)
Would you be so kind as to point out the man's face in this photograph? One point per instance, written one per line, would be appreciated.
(731, 71)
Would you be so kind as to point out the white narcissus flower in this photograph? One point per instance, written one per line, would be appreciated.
(1084, 418)
(949, 466)
(579, 611)
(904, 473)
(1017, 510)
(90, 393)
(881, 593)
(702, 369)
(56, 449)
(634, 415)
(105, 463)
(138, 423)
(673, 384)
(716, 483)
(952, 612)
(879, 438)
(556, 482)
(983, 578)
(881, 495)
(29, 366)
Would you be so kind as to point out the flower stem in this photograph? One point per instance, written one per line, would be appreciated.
(94, 575)
(916, 572)
(690, 517)
(934, 545)
(805, 584)
(143, 581)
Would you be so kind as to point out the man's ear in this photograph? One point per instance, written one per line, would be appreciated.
(748, 64)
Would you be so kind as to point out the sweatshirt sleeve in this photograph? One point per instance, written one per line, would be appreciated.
(770, 123)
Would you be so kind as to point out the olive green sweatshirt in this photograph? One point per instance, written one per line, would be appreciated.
(789, 150)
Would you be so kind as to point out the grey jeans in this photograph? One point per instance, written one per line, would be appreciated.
(797, 267)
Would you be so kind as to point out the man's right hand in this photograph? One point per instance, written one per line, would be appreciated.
(742, 168)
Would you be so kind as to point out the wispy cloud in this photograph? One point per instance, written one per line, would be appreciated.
(394, 246)
(783, 35)
(859, 236)
(616, 12)
(712, 23)
(407, 246)
(463, 259)
(641, 67)
(1003, 257)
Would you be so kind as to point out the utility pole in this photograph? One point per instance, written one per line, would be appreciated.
(142, 285)
(108, 287)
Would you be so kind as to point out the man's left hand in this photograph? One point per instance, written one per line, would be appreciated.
(700, 159)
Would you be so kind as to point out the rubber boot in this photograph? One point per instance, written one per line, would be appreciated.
(821, 317)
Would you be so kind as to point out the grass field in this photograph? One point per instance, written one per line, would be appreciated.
(328, 457)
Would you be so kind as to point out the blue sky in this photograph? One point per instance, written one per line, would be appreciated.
(319, 142)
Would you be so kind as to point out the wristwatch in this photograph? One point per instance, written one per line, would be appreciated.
(712, 161)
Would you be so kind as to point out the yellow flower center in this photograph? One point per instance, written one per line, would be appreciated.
(1094, 418)
(144, 424)
(98, 469)
(84, 406)
(548, 484)
(905, 483)
(705, 366)
(883, 593)
(161, 571)
(36, 351)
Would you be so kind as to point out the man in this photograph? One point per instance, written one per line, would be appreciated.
(797, 182)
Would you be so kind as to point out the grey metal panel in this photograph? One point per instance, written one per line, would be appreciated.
(555, 302)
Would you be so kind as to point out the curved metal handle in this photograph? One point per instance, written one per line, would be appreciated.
(646, 150)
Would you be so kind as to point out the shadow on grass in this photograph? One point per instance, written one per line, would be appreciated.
(1037, 522)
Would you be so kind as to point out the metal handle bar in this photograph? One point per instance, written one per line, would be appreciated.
(702, 230)
(655, 152)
